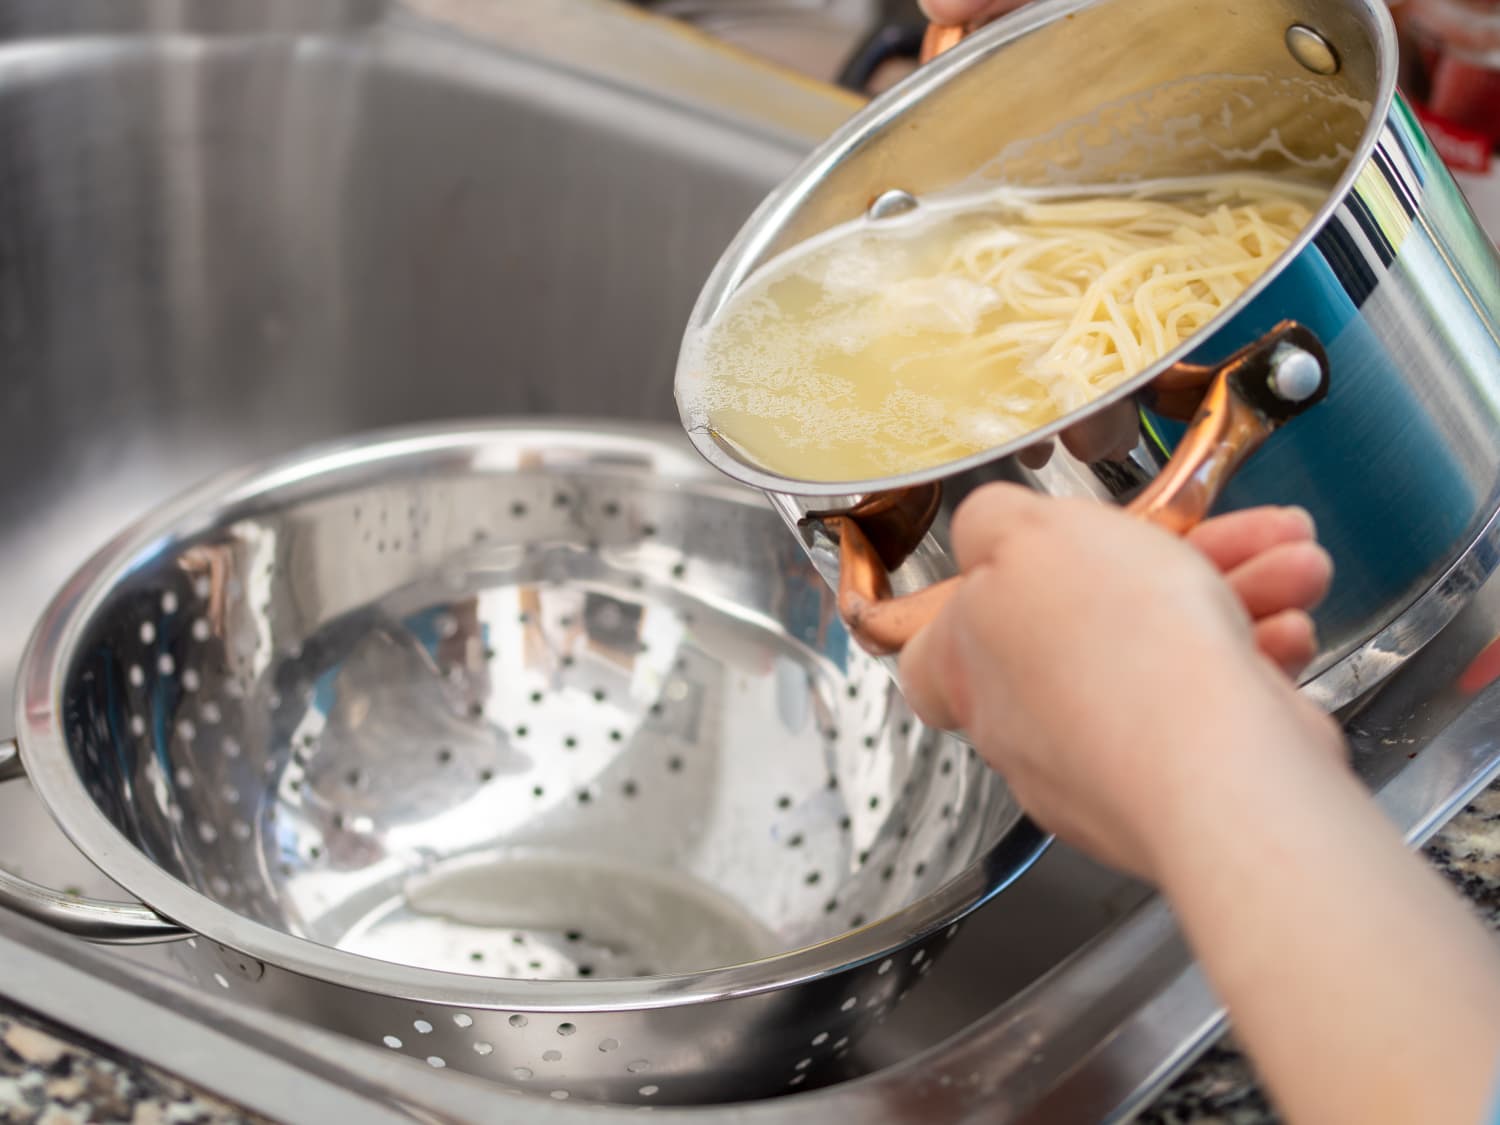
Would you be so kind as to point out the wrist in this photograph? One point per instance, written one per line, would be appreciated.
(1271, 761)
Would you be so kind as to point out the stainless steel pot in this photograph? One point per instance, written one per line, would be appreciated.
(1400, 465)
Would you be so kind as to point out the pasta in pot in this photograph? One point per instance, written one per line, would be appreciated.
(889, 346)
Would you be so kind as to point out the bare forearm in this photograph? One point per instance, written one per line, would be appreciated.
(1355, 979)
(1359, 983)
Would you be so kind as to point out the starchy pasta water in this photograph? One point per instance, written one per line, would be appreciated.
(887, 346)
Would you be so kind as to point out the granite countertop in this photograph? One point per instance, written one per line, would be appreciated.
(1221, 1089)
(49, 1076)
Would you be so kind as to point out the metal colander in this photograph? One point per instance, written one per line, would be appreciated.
(528, 751)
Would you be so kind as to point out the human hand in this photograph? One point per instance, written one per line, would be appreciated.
(1101, 665)
(1122, 686)
(1271, 559)
(954, 12)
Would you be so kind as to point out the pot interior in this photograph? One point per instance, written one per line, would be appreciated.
(1173, 88)
(1286, 89)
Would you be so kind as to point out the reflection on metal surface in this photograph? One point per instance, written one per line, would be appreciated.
(1312, 50)
(120, 923)
(546, 724)
(364, 264)
(892, 203)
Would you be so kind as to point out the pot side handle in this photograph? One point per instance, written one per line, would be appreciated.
(1248, 398)
(111, 923)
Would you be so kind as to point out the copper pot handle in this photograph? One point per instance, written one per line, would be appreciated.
(1248, 398)
(940, 38)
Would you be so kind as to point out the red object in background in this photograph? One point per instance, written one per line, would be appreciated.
(1462, 149)
(1483, 671)
(1466, 93)
(1450, 72)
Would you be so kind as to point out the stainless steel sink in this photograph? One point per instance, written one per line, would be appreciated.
(229, 230)
(238, 234)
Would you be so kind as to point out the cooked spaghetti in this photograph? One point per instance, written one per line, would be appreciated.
(889, 346)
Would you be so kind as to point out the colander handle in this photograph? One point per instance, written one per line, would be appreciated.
(112, 923)
(1248, 398)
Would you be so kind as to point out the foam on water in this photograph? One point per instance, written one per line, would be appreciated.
(888, 345)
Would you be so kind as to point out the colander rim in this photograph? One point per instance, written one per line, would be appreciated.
(54, 642)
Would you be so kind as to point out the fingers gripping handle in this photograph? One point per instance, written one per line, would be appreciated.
(1248, 398)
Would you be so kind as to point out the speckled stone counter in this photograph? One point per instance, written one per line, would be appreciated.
(1222, 1090)
(51, 1077)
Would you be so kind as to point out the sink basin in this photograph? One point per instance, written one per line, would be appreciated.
(254, 233)
(232, 230)
(223, 246)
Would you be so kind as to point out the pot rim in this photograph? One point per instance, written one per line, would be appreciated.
(49, 765)
(747, 253)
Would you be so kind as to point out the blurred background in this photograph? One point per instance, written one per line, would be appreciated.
(1450, 63)
(864, 45)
